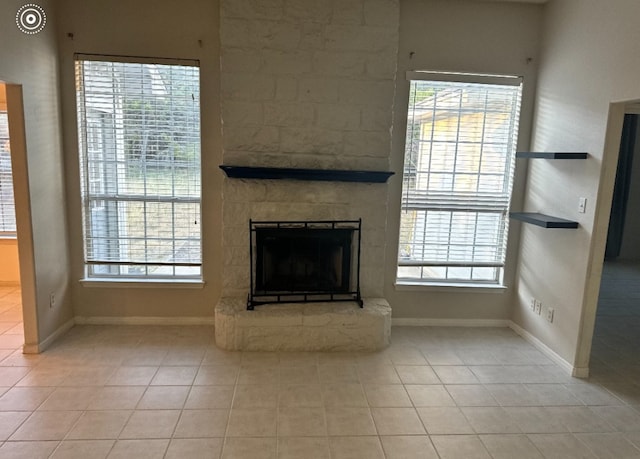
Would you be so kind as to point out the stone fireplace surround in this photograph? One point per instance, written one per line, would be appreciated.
(315, 326)
(306, 84)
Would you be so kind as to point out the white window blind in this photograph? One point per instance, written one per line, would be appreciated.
(139, 137)
(7, 209)
(458, 176)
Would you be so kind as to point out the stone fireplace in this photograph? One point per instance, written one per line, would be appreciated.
(306, 85)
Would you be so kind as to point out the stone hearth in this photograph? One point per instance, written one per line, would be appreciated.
(303, 326)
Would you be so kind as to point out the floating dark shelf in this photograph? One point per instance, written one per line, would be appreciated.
(545, 221)
(325, 175)
(551, 155)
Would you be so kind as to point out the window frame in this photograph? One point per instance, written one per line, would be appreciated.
(85, 139)
(7, 232)
(496, 283)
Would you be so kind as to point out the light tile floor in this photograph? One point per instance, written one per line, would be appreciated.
(448, 393)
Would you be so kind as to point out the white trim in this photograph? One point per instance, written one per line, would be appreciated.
(546, 350)
(408, 286)
(458, 77)
(424, 322)
(48, 341)
(141, 320)
(136, 59)
(140, 283)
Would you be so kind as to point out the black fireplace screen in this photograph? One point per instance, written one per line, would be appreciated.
(304, 262)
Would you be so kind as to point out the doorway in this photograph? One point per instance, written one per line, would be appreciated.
(616, 329)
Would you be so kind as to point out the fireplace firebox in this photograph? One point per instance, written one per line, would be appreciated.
(301, 262)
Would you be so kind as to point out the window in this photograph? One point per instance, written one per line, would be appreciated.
(139, 138)
(7, 209)
(458, 175)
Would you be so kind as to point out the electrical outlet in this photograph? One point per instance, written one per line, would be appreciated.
(52, 300)
(582, 205)
(550, 312)
(532, 304)
(538, 309)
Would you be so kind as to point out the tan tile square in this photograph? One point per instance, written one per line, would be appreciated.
(150, 424)
(459, 447)
(622, 418)
(299, 375)
(249, 448)
(9, 422)
(46, 425)
(338, 373)
(471, 395)
(397, 421)
(181, 448)
(174, 376)
(444, 421)
(510, 446)
(164, 398)
(216, 356)
(249, 422)
(24, 398)
(259, 375)
(208, 397)
(256, 396)
(69, 398)
(535, 419)
(132, 376)
(116, 398)
(451, 374)
(429, 395)
(490, 420)
(609, 445)
(387, 395)
(561, 446)
(349, 421)
(405, 447)
(579, 419)
(202, 424)
(378, 374)
(190, 356)
(355, 448)
(89, 376)
(303, 447)
(301, 422)
(27, 449)
(306, 395)
(98, 425)
(406, 355)
(417, 374)
(442, 357)
(45, 376)
(217, 375)
(139, 449)
(11, 375)
(344, 394)
(297, 359)
(83, 449)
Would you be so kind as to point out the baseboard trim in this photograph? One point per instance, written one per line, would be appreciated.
(424, 322)
(546, 350)
(142, 320)
(49, 340)
(9, 283)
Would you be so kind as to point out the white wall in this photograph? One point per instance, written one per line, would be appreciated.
(463, 36)
(31, 61)
(588, 61)
(187, 30)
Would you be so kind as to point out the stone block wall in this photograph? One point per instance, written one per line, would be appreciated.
(307, 83)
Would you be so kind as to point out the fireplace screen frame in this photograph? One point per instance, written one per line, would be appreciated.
(349, 291)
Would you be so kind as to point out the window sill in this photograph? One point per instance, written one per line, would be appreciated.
(142, 283)
(407, 286)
